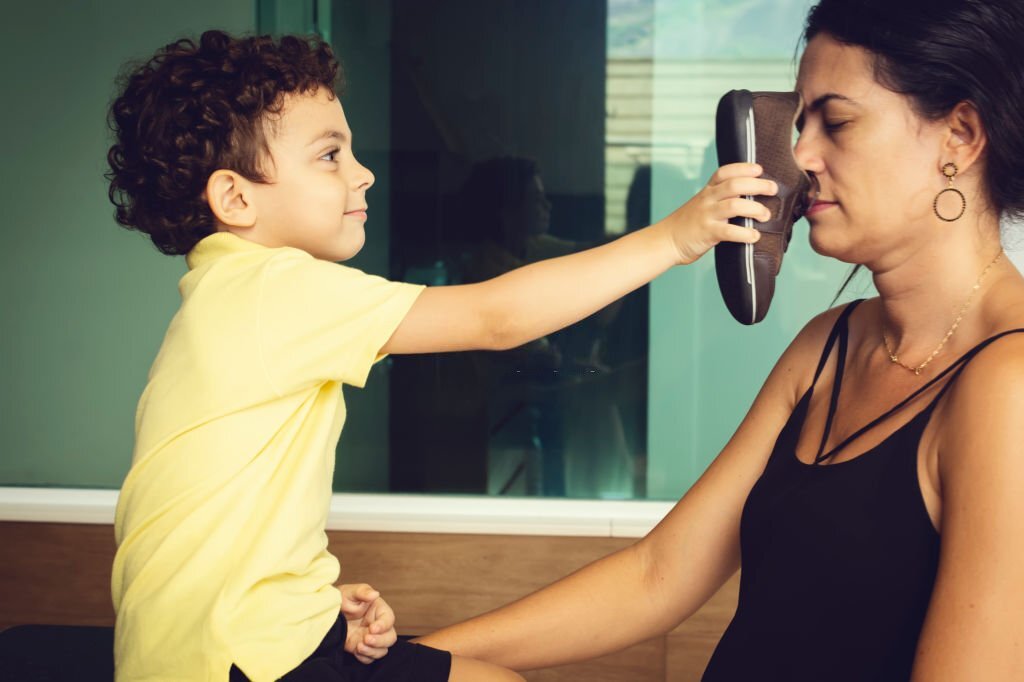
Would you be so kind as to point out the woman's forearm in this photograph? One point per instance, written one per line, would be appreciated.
(604, 607)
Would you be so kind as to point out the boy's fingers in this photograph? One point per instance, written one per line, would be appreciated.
(359, 593)
(741, 208)
(384, 620)
(352, 608)
(372, 653)
(734, 233)
(366, 593)
(385, 640)
(735, 170)
(744, 186)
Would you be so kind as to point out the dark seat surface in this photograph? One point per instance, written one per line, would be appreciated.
(55, 653)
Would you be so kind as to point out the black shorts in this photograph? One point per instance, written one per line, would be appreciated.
(405, 662)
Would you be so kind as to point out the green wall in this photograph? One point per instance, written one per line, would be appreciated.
(85, 303)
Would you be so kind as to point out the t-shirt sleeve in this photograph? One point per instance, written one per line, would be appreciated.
(321, 321)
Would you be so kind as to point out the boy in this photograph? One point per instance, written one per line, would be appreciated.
(236, 153)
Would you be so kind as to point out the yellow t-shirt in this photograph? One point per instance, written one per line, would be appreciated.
(222, 556)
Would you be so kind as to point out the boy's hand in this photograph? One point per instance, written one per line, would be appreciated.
(703, 221)
(371, 622)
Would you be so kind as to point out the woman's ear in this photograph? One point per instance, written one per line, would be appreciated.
(966, 140)
(231, 197)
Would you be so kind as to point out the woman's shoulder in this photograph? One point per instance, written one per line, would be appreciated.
(1000, 348)
(815, 333)
(990, 387)
(979, 426)
(800, 359)
(997, 361)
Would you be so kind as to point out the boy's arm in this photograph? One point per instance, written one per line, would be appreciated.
(537, 299)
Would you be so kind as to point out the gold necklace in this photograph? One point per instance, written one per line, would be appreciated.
(956, 323)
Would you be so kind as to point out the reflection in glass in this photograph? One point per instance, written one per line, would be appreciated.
(510, 131)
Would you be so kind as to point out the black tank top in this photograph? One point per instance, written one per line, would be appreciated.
(839, 560)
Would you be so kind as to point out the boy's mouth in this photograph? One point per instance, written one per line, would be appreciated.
(358, 213)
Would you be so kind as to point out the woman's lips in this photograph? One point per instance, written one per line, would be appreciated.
(819, 206)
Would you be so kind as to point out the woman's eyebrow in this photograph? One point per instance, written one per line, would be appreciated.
(819, 102)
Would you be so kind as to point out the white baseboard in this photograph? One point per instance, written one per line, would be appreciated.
(387, 513)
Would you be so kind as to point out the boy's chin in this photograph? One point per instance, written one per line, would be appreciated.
(341, 249)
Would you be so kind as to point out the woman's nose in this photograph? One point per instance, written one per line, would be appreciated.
(808, 158)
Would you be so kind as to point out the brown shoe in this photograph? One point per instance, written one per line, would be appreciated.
(758, 127)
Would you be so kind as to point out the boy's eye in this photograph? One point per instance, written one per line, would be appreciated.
(329, 156)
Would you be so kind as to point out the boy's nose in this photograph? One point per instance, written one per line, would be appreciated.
(362, 178)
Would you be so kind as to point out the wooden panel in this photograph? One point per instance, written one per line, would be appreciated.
(55, 573)
(60, 574)
(436, 580)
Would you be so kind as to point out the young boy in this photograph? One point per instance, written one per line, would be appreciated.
(236, 153)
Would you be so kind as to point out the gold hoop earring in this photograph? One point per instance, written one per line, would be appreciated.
(950, 170)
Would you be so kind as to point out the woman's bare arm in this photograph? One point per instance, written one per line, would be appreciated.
(652, 586)
(974, 629)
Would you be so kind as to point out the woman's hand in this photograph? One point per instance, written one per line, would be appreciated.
(371, 622)
(703, 221)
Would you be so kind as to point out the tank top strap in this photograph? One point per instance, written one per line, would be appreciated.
(840, 334)
(964, 360)
(839, 329)
(956, 368)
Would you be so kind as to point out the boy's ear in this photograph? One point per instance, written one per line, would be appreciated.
(231, 197)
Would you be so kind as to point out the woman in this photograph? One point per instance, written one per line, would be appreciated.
(873, 548)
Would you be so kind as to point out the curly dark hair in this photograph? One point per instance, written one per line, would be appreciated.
(193, 109)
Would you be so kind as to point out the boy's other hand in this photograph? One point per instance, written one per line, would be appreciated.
(371, 622)
(703, 221)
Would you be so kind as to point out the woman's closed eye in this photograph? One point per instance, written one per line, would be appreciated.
(833, 126)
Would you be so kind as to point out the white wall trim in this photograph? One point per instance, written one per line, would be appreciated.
(387, 513)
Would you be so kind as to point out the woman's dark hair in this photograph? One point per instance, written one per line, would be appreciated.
(193, 109)
(939, 53)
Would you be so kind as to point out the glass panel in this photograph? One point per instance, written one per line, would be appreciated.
(709, 368)
(505, 132)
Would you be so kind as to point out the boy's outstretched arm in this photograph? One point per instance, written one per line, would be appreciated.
(537, 299)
